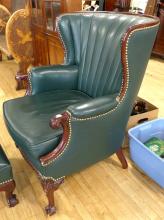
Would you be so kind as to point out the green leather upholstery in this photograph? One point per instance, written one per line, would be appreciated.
(88, 86)
(65, 77)
(35, 135)
(5, 168)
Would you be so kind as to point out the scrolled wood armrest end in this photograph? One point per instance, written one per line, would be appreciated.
(21, 77)
(57, 122)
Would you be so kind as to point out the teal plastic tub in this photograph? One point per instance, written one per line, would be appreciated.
(145, 159)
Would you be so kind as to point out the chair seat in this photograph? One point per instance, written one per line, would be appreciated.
(5, 167)
(28, 118)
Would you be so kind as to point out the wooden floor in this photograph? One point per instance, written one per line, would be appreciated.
(103, 191)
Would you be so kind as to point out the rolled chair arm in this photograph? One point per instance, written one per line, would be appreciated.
(94, 107)
(57, 122)
(91, 108)
(55, 77)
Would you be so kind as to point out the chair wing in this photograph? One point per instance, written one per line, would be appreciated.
(94, 42)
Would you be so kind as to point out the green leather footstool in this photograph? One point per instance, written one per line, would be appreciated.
(7, 184)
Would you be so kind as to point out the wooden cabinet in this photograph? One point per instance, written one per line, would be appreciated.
(117, 5)
(40, 47)
(110, 5)
(158, 48)
(47, 46)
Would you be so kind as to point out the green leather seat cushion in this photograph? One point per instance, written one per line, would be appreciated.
(5, 167)
(28, 118)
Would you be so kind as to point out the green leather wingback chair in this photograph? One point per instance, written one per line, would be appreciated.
(88, 99)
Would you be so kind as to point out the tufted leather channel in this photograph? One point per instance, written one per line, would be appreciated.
(94, 43)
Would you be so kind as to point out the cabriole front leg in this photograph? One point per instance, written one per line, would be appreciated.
(9, 188)
(49, 186)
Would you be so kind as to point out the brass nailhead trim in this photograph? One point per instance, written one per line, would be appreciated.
(61, 38)
(30, 82)
(50, 178)
(7, 181)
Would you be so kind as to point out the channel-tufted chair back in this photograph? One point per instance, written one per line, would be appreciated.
(94, 43)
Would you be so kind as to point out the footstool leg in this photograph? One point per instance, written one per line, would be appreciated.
(11, 198)
(7, 184)
(0, 55)
(8, 188)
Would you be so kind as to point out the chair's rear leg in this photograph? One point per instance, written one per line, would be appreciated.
(122, 159)
(49, 187)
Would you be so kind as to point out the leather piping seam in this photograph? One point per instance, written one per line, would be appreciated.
(61, 38)
(120, 101)
(7, 181)
(30, 82)
(50, 178)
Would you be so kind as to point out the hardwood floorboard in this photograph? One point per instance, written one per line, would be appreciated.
(102, 192)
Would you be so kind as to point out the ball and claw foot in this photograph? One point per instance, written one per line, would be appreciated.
(12, 201)
(50, 210)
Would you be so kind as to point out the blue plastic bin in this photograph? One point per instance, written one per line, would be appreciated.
(145, 159)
